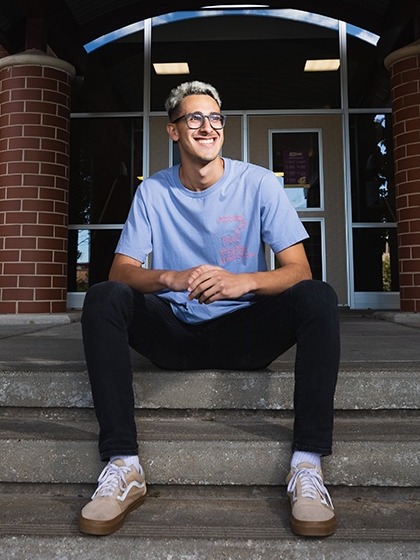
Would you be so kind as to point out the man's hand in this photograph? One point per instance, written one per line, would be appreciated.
(208, 283)
(178, 280)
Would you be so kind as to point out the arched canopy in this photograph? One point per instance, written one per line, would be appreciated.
(65, 26)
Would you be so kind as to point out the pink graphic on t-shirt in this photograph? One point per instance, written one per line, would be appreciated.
(231, 247)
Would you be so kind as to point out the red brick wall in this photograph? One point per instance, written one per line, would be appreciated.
(405, 80)
(34, 162)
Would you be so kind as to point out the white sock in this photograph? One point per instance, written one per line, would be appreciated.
(306, 457)
(129, 460)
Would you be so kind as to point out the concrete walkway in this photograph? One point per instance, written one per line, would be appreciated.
(366, 336)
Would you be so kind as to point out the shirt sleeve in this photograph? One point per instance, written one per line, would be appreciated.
(136, 237)
(280, 223)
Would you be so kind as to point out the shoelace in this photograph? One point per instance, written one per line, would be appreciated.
(312, 486)
(111, 477)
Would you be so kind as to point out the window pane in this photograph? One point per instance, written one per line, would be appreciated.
(78, 260)
(106, 160)
(313, 248)
(368, 79)
(90, 257)
(375, 260)
(295, 158)
(255, 62)
(372, 173)
(113, 79)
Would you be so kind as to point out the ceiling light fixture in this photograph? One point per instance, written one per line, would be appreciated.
(234, 6)
(171, 67)
(322, 65)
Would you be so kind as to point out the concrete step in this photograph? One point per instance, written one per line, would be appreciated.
(375, 385)
(208, 523)
(203, 448)
(380, 369)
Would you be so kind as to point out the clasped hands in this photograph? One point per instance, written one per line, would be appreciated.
(208, 283)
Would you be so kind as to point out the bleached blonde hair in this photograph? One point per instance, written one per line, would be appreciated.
(178, 94)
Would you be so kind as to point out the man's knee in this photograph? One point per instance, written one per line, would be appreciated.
(316, 294)
(106, 295)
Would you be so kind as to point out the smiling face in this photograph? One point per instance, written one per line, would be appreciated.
(200, 146)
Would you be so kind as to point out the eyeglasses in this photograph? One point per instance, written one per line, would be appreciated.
(196, 120)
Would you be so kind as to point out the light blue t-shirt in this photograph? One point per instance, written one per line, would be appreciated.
(226, 225)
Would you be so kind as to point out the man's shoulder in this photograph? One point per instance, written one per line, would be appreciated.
(238, 165)
(157, 182)
(162, 176)
(251, 174)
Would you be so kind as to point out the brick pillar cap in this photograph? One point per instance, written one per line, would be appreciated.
(405, 52)
(36, 57)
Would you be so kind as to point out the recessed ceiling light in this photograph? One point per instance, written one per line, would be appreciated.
(171, 67)
(322, 65)
(234, 6)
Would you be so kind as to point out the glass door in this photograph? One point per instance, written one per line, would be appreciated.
(306, 154)
(373, 217)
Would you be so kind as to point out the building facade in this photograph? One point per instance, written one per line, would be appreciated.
(343, 141)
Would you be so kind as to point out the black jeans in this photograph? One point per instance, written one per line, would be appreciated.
(116, 317)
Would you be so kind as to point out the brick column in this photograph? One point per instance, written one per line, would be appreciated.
(34, 171)
(404, 66)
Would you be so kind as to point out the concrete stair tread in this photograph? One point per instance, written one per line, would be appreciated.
(73, 424)
(281, 366)
(209, 511)
(364, 340)
(203, 448)
(248, 518)
(386, 385)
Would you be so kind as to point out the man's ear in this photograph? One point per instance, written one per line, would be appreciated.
(173, 132)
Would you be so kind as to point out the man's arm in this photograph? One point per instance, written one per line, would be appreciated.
(293, 268)
(208, 283)
(131, 272)
(211, 283)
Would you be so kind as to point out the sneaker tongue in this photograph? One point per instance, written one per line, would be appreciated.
(305, 466)
(119, 463)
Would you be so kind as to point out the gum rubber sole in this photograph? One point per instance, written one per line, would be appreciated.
(313, 528)
(100, 528)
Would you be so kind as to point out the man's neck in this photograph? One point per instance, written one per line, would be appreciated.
(201, 178)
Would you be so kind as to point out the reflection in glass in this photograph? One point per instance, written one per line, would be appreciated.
(90, 257)
(372, 175)
(113, 78)
(296, 161)
(375, 260)
(369, 83)
(106, 161)
(79, 260)
(313, 247)
(83, 258)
